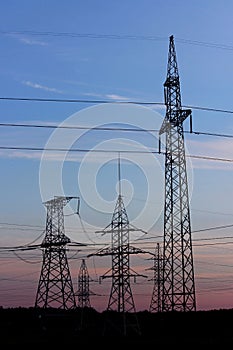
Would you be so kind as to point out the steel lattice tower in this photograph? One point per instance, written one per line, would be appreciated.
(83, 286)
(156, 299)
(121, 296)
(55, 288)
(178, 270)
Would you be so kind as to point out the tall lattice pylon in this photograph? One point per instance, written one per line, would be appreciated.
(55, 288)
(83, 286)
(179, 286)
(121, 296)
(156, 299)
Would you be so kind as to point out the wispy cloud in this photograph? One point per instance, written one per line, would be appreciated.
(113, 97)
(56, 156)
(27, 41)
(157, 107)
(123, 98)
(116, 97)
(219, 149)
(42, 87)
(37, 155)
(32, 42)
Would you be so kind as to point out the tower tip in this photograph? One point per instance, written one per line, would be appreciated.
(119, 174)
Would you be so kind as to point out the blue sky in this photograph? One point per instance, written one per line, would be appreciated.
(64, 50)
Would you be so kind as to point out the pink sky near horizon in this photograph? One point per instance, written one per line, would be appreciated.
(19, 280)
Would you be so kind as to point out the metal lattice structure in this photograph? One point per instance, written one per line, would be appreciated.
(156, 299)
(121, 296)
(55, 288)
(83, 286)
(178, 271)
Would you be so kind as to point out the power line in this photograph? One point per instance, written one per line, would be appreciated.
(104, 128)
(197, 231)
(99, 128)
(13, 249)
(210, 158)
(213, 228)
(209, 134)
(83, 245)
(84, 35)
(83, 150)
(116, 37)
(37, 99)
(210, 244)
(209, 109)
(206, 44)
(21, 225)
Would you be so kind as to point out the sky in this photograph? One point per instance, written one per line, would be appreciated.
(60, 62)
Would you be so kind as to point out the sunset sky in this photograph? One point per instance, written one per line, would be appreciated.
(53, 52)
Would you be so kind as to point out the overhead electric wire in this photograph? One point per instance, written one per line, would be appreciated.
(19, 229)
(37, 99)
(23, 247)
(75, 150)
(26, 260)
(214, 45)
(77, 244)
(78, 127)
(211, 244)
(29, 246)
(213, 228)
(83, 35)
(83, 150)
(115, 37)
(229, 160)
(105, 128)
(209, 134)
(21, 225)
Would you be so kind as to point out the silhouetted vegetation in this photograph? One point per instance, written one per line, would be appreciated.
(22, 326)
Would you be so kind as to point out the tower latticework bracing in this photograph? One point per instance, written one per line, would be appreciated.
(55, 288)
(156, 299)
(83, 286)
(121, 296)
(178, 270)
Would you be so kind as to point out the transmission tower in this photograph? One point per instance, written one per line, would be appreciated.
(178, 270)
(83, 286)
(55, 288)
(156, 299)
(121, 297)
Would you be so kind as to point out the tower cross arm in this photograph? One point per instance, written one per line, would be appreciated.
(185, 113)
(134, 250)
(112, 251)
(164, 126)
(101, 252)
(178, 118)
